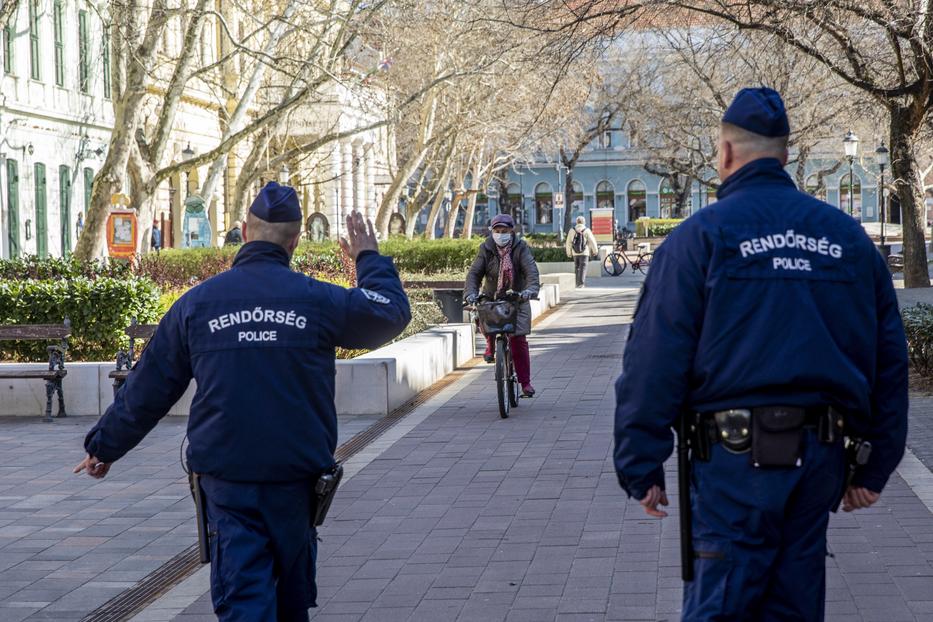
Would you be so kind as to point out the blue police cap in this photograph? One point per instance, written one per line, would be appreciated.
(760, 111)
(276, 203)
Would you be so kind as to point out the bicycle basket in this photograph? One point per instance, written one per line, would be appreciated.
(497, 317)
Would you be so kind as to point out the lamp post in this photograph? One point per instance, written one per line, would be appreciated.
(188, 153)
(881, 157)
(850, 144)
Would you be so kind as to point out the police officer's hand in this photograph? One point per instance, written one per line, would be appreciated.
(656, 496)
(858, 498)
(360, 236)
(93, 466)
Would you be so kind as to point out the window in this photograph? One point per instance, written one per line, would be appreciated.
(84, 67)
(105, 55)
(605, 195)
(855, 209)
(57, 22)
(8, 48)
(544, 204)
(668, 200)
(34, 72)
(605, 141)
(512, 202)
(576, 199)
(816, 187)
(637, 201)
(64, 202)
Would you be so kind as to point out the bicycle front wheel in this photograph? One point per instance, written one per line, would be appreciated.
(503, 378)
(614, 264)
(513, 383)
(643, 262)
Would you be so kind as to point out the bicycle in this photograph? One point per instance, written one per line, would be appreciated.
(615, 262)
(497, 317)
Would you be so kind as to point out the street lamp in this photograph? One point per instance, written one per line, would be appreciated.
(188, 153)
(881, 157)
(850, 144)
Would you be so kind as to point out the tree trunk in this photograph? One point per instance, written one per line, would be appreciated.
(467, 232)
(908, 186)
(451, 225)
(568, 199)
(440, 190)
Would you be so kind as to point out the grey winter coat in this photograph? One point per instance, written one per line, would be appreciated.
(486, 266)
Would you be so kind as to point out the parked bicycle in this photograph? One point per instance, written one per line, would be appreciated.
(618, 260)
(497, 317)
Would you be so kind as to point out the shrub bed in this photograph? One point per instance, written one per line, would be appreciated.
(100, 309)
(918, 326)
(655, 227)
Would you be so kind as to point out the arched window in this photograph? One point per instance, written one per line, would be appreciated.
(544, 204)
(668, 200)
(605, 195)
(637, 201)
(576, 200)
(511, 203)
(856, 207)
(815, 188)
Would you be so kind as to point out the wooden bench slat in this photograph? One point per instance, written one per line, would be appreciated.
(122, 374)
(34, 373)
(18, 332)
(141, 331)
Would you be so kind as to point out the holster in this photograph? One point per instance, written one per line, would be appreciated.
(324, 490)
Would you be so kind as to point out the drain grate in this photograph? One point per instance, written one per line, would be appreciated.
(127, 604)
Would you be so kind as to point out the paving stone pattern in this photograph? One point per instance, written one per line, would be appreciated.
(68, 543)
(470, 517)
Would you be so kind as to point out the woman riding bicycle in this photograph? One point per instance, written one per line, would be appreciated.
(507, 264)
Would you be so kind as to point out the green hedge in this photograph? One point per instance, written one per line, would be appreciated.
(426, 256)
(918, 326)
(99, 309)
(32, 267)
(655, 227)
(549, 254)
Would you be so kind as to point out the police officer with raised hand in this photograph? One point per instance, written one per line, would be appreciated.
(259, 340)
(769, 327)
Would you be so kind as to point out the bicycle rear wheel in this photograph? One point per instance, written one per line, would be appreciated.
(503, 379)
(643, 262)
(614, 263)
(513, 382)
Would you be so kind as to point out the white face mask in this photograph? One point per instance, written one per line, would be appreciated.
(502, 239)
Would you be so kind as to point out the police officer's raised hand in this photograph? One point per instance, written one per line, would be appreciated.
(93, 466)
(858, 498)
(656, 496)
(360, 236)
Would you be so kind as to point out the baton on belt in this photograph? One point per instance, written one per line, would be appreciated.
(200, 513)
(683, 486)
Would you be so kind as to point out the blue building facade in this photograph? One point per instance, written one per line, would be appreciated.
(611, 174)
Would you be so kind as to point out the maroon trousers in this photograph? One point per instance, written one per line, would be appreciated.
(520, 356)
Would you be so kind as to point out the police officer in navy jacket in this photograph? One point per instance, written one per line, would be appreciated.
(768, 306)
(259, 340)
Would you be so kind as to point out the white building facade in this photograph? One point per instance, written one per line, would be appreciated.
(55, 123)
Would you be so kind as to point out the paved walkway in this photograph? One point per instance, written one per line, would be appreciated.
(454, 514)
(470, 517)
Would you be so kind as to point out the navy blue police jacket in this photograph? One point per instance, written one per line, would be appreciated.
(767, 297)
(259, 340)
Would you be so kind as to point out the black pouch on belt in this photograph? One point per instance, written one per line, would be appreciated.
(777, 435)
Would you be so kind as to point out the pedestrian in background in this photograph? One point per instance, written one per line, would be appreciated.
(234, 236)
(581, 245)
(768, 325)
(155, 240)
(259, 340)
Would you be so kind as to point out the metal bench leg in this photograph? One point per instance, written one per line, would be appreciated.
(61, 399)
(49, 392)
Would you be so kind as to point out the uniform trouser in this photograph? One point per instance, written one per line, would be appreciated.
(579, 266)
(263, 550)
(521, 356)
(760, 536)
